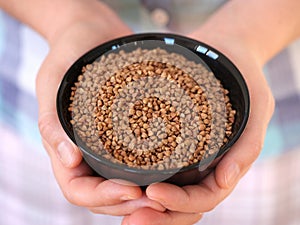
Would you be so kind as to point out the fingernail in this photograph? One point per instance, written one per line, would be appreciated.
(232, 174)
(127, 197)
(65, 152)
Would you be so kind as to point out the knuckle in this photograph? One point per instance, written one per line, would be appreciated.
(49, 130)
(211, 207)
(71, 198)
(269, 101)
(94, 210)
(256, 148)
(196, 218)
(44, 126)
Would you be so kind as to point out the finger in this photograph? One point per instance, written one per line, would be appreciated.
(51, 131)
(63, 53)
(199, 198)
(218, 185)
(60, 58)
(81, 188)
(147, 216)
(50, 75)
(246, 150)
(53, 134)
(128, 207)
(94, 191)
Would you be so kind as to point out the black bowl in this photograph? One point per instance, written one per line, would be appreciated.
(220, 65)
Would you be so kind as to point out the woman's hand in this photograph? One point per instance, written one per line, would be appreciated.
(185, 205)
(73, 175)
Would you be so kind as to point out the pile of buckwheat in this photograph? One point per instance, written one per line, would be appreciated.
(151, 109)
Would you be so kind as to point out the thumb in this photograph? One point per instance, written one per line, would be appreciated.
(61, 147)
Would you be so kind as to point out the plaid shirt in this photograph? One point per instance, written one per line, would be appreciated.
(267, 195)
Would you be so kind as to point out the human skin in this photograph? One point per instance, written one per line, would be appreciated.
(249, 33)
(67, 25)
(233, 30)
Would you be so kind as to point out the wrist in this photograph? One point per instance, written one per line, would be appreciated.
(232, 44)
(85, 13)
(256, 28)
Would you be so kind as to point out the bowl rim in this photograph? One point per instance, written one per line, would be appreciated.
(189, 43)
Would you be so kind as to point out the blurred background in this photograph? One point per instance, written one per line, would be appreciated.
(29, 195)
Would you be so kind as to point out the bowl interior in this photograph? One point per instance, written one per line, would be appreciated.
(222, 68)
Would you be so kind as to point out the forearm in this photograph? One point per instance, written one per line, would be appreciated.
(265, 26)
(50, 18)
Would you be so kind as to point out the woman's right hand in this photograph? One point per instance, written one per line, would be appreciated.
(73, 175)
